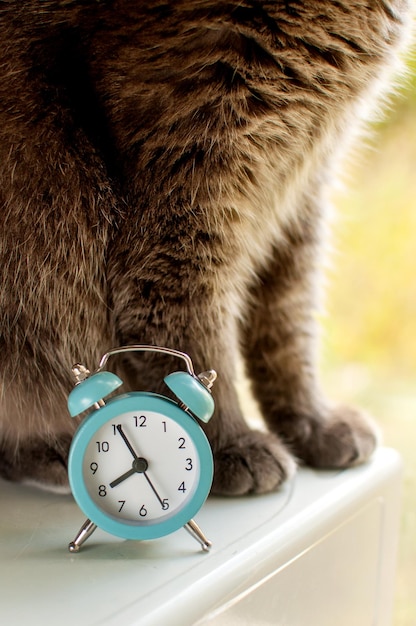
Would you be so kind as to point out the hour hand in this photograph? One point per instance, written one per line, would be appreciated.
(120, 479)
(139, 467)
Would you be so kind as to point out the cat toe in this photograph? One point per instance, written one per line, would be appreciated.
(255, 462)
(343, 438)
(38, 463)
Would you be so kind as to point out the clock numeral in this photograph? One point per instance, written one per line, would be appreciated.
(122, 502)
(164, 426)
(143, 511)
(140, 421)
(189, 465)
(181, 441)
(102, 491)
(94, 467)
(182, 487)
(103, 446)
(165, 504)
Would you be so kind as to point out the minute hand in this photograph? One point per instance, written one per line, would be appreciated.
(154, 490)
(130, 447)
(126, 441)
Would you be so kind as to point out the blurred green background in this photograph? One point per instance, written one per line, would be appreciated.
(369, 329)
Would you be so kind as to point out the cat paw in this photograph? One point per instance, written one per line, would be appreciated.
(254, 462)
(342, 438)
(38, 463)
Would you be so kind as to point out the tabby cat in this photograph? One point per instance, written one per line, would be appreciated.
(163, 173)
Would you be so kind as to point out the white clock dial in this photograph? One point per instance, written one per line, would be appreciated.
(141, 468)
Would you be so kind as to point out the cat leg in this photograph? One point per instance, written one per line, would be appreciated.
(56, 208)
(279, 341)
(35, 426)
(174, 307)
(246, 460)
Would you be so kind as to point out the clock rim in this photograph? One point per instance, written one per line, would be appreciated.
(93, 422)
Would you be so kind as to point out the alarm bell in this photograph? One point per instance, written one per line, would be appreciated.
(90, 390)
(193, 393)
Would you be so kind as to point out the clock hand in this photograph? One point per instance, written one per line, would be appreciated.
(120, 479)
(126, 441)
(130, 472)
(154, 490)
(139, 466)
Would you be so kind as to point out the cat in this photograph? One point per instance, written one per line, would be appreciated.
(163, 176)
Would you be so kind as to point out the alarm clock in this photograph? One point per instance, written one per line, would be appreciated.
(140, 466)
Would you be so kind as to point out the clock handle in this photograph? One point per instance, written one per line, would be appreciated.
(194, 530)
(85, 531)
(144, 348)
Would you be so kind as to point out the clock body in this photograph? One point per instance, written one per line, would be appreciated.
(140, 467)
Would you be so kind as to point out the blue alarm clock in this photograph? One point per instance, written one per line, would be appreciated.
(140, 465)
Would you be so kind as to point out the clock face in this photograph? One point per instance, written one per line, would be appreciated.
(140, 467)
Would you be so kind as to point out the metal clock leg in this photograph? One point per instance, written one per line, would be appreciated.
(85, 531)
(194, 530)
